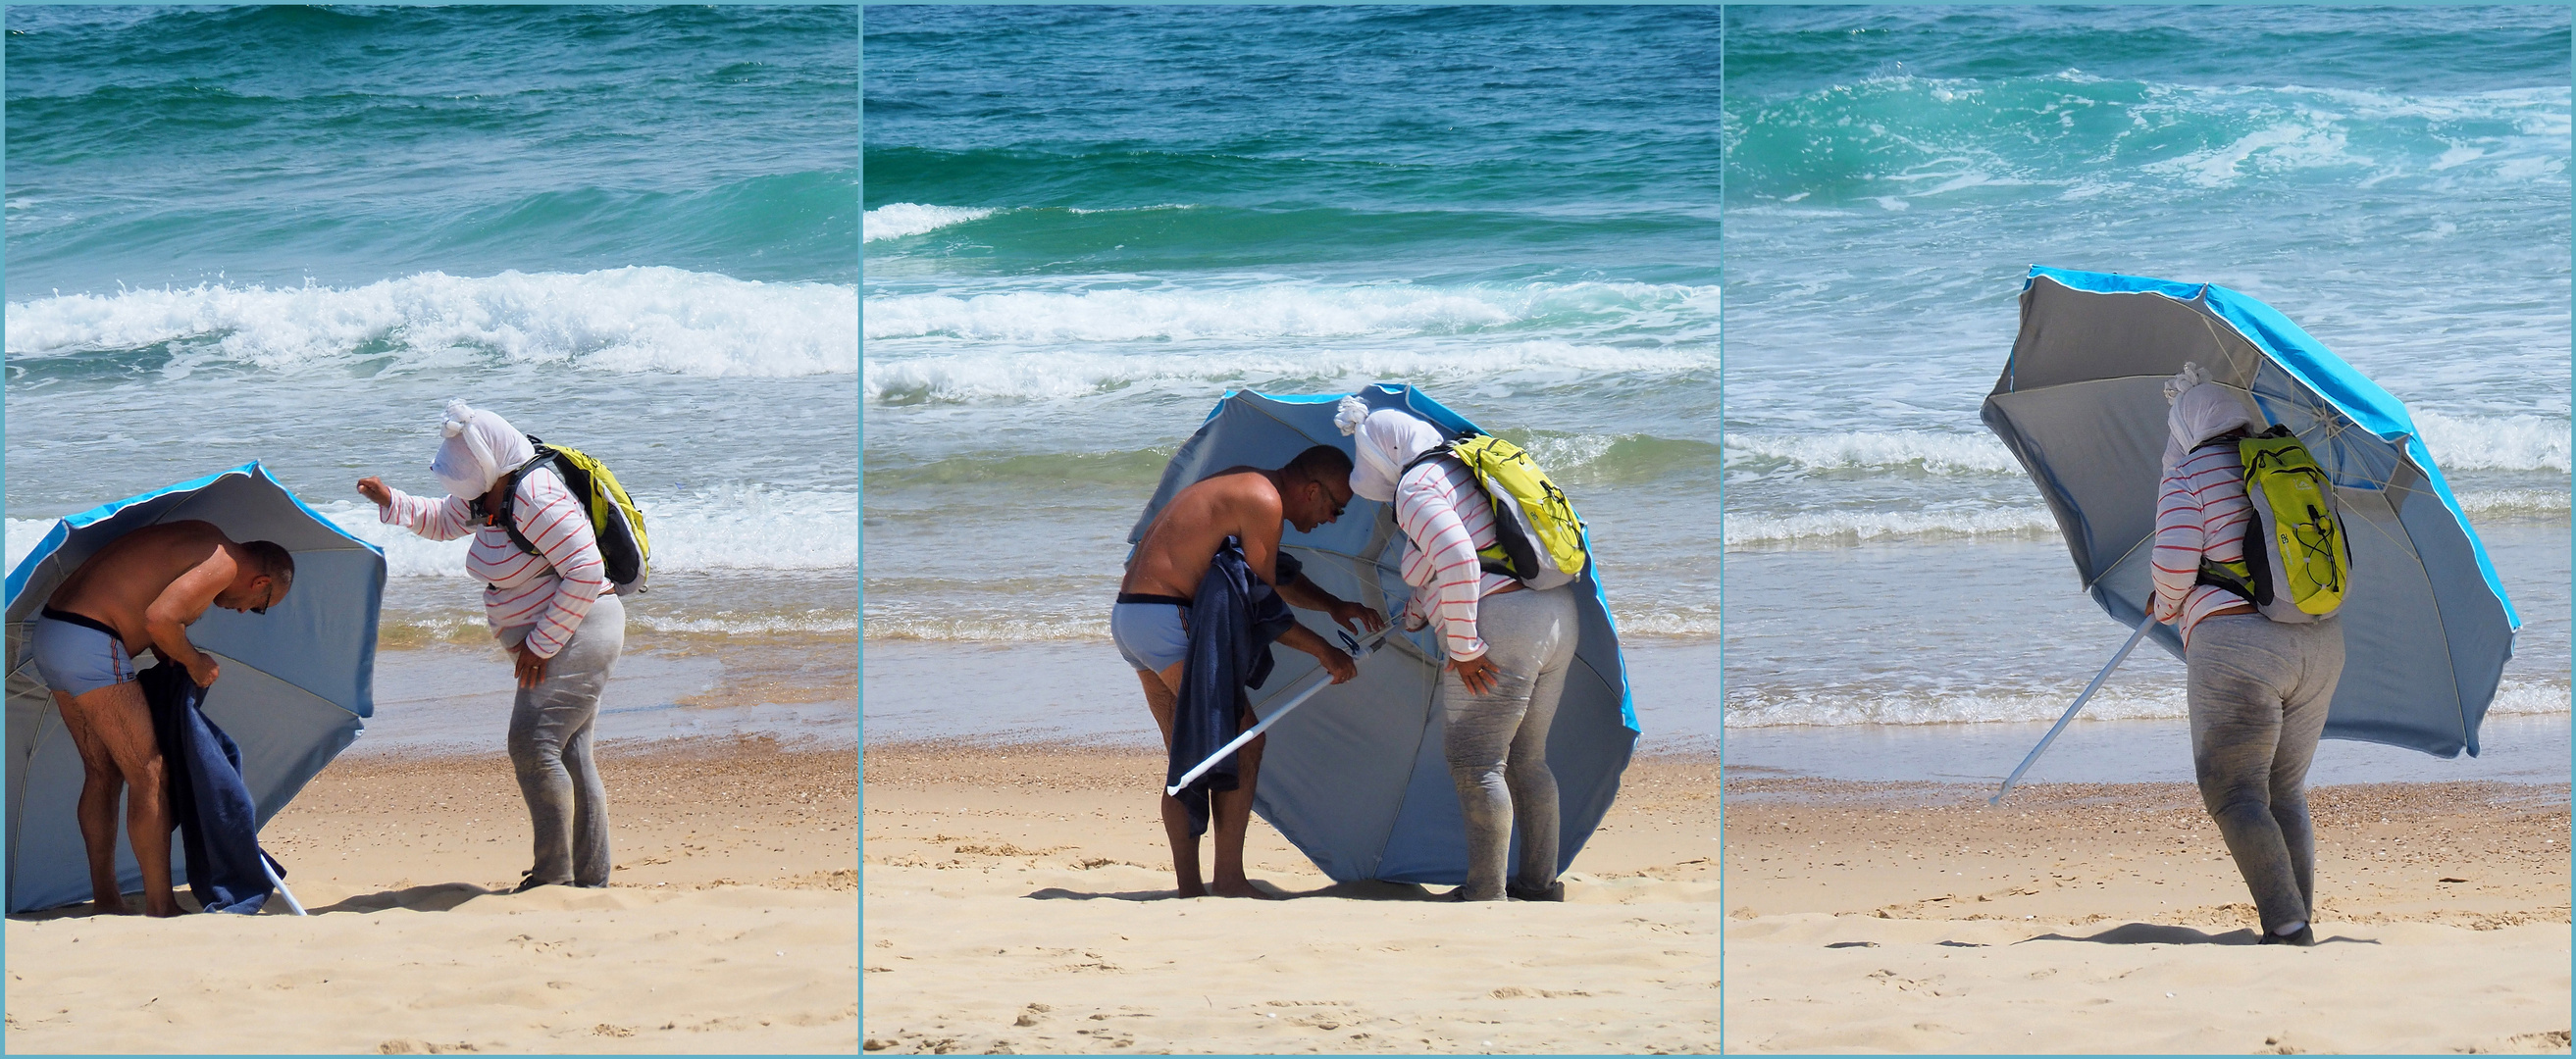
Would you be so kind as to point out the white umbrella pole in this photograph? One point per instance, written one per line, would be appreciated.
(1358, 649)
(2089, 689)
(282, 891)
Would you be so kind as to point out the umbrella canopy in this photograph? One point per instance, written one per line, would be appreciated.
(297, 682)
(2426, 625)
(1356, 778)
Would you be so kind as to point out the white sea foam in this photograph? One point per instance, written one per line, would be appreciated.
(2513, 503)
(645, 319)
(1848, 705)
(986, 628)
(898, 219)
(1929, 452)
(24, 535)
(747, 528)
(2495, 443)
(1832, 527)
(1276, 310)
(1041, 375)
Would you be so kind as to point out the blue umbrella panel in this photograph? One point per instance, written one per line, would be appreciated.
(296, 688)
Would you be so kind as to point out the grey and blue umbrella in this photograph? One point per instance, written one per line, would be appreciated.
(1356, 778)
(296, 688)
(2427, 628)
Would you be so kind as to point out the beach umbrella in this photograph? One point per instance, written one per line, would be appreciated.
(2426, 625)
(1356, 778)
(296, 687)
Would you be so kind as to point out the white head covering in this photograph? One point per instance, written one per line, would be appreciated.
(480, 448)
(1387, 439)
(2200, 412)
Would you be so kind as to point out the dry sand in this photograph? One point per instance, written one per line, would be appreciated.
(1015, 900)
(2109, 919)
(730, 926)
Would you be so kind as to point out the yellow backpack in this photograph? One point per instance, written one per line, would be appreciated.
(1537, 536)
(614, 519)
(2298, 564)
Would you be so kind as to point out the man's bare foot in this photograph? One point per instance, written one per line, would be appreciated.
(161, 913)
(1192, 890)
(109, 908)
(1243, 888)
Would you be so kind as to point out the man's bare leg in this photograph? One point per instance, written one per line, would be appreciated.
(100, 786)
(119, 723)
(1160, 698)
(1234, 817)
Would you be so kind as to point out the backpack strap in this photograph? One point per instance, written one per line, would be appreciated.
(509, 516)
(1445, 448)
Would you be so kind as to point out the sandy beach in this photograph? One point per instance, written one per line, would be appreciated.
(1014, 900)
(2107, 918)
(730, 926)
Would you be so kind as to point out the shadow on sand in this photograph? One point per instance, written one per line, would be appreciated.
(1364, 890)
(2159, 934)
(435, 897)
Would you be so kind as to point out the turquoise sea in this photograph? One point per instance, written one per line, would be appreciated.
(2394, 179)
(1084, 225)
(292, 233)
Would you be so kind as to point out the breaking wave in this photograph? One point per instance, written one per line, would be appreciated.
(643, 319)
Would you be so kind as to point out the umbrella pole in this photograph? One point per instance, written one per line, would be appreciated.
(1359, 649)
(2089, 689)
(282, 891)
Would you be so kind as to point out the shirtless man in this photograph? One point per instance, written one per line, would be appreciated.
(141, 591)
(1151, 628)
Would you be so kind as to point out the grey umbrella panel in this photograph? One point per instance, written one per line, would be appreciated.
(296, 685)
(2081, 404)
(1356, 778)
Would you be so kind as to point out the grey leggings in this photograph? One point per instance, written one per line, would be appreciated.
(2258, 692)
(550, 735)
(1497, 743)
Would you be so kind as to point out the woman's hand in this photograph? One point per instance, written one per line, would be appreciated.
(530, 665)
(1477, 673)
(373, 488)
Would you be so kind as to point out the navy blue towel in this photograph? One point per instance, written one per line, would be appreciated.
(1232, 621)
(218, 824)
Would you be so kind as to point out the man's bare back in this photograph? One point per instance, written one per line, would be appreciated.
(1239, 502)
(120, 584)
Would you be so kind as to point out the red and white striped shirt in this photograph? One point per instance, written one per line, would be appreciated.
(2202, 510)
(1445, 518)
(548, 593)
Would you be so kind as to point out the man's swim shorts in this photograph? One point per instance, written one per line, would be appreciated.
(77, 654)
(1152, 632)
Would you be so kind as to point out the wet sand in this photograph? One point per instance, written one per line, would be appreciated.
(730, 925)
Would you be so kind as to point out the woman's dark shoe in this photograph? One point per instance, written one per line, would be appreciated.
(528, 881)
(2307, 936)
(1555, 891)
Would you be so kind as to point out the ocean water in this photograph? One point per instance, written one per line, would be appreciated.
(2395, 180)
(292, 234)
(1085, 225)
